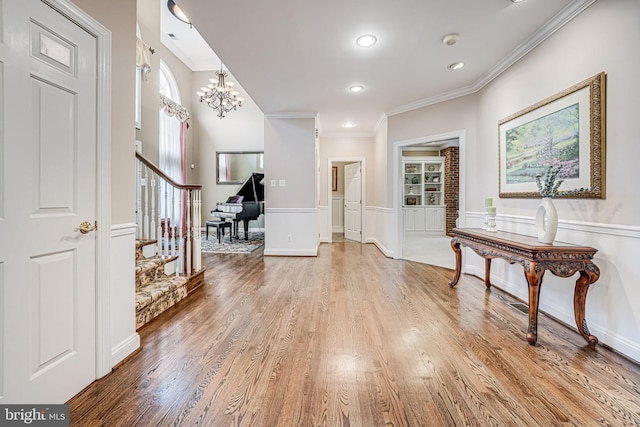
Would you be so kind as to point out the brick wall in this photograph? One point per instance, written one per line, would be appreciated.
(451, 186)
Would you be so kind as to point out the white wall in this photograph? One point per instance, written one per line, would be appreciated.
(124, 339)
(602, 38)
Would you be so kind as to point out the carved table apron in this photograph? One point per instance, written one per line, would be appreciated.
(561, 259)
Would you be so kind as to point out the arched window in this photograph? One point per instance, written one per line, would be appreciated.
(170, 151)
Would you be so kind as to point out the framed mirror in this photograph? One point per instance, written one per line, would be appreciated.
(234, 167)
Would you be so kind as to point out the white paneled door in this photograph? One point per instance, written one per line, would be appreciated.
(48, 188)
(353, 202)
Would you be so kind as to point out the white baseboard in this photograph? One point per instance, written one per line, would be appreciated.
(124, 349)
(386, 251)
(291, 252)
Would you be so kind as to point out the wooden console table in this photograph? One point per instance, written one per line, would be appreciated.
(561, 259)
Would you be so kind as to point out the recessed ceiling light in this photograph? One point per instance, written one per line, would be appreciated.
(366, 40)
(450, 39)
(356, 88)
(516, 1)
(348, 125)
(456, 66)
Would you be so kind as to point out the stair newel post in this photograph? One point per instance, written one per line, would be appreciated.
(139, 232)
(197, 235)
(175, 223)
(189, 231)
(146, 233)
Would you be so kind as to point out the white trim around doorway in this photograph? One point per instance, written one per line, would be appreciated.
(362, 162)
(398, 220)
(103, 176)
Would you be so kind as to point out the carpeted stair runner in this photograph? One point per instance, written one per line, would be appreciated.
(155, 290)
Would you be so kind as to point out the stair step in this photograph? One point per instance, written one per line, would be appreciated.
(143, 249)
(156, 297)
(150, 269)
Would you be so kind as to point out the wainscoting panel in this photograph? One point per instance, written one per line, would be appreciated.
(323, 224)
(337, 214)
(380, 229)
(612, 302)
(291, 231)
(124, 338)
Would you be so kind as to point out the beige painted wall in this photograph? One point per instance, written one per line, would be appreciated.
(240, 130)
(290, 155)
(381, 185)
(455, 115)
(605, 37)
(343, 148)
(119, 16)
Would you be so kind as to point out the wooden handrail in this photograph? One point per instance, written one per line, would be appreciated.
(157, 170)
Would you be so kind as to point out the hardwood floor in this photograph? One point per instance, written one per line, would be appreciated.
(352, 338)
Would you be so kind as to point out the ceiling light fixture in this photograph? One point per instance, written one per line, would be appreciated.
(177, 12)
(450, 39)
(356, 88)
(348, 125)
(516, 1)
(220, 96)
(366, 40)
(456, 66)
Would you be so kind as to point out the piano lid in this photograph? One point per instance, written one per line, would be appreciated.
(253, 189)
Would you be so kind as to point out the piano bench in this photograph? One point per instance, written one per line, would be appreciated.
(220, 226)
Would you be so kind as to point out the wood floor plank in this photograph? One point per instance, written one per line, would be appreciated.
(351, 338)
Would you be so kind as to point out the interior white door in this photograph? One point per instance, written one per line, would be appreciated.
(353, 202)
(47, 189)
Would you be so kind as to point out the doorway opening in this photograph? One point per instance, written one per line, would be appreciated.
(346, 199)
(428, 209)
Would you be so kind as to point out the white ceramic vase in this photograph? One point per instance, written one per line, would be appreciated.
(546, 221)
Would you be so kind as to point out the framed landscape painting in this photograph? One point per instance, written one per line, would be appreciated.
(566, 130)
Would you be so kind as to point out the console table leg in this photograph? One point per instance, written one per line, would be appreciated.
(487, 272)
(455, 245)
(534, 280)
(579, 299)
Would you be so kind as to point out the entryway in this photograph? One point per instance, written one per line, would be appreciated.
(436, 186)
(346, 194)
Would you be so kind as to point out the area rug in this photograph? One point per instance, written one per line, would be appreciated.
(239, 246)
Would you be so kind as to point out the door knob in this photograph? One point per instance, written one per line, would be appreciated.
(86, 227)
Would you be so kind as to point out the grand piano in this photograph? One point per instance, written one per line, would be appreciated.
(246, 205)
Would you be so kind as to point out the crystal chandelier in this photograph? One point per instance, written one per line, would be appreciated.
(220, 95)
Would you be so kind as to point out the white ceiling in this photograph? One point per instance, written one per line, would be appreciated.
(299, 57)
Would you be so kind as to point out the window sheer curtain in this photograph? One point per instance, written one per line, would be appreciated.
(173, 139)
(173, 150)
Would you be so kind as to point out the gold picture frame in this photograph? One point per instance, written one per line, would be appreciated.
(334, 178)
(567, 130)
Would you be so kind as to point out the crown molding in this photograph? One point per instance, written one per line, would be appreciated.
(558, 21)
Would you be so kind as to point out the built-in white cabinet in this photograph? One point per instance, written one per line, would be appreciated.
(423, 194)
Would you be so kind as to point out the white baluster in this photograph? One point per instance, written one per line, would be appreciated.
(174, 221)
(181, 263)
(189, 233)
(139, 224)
(146, 233)
(154, 223)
